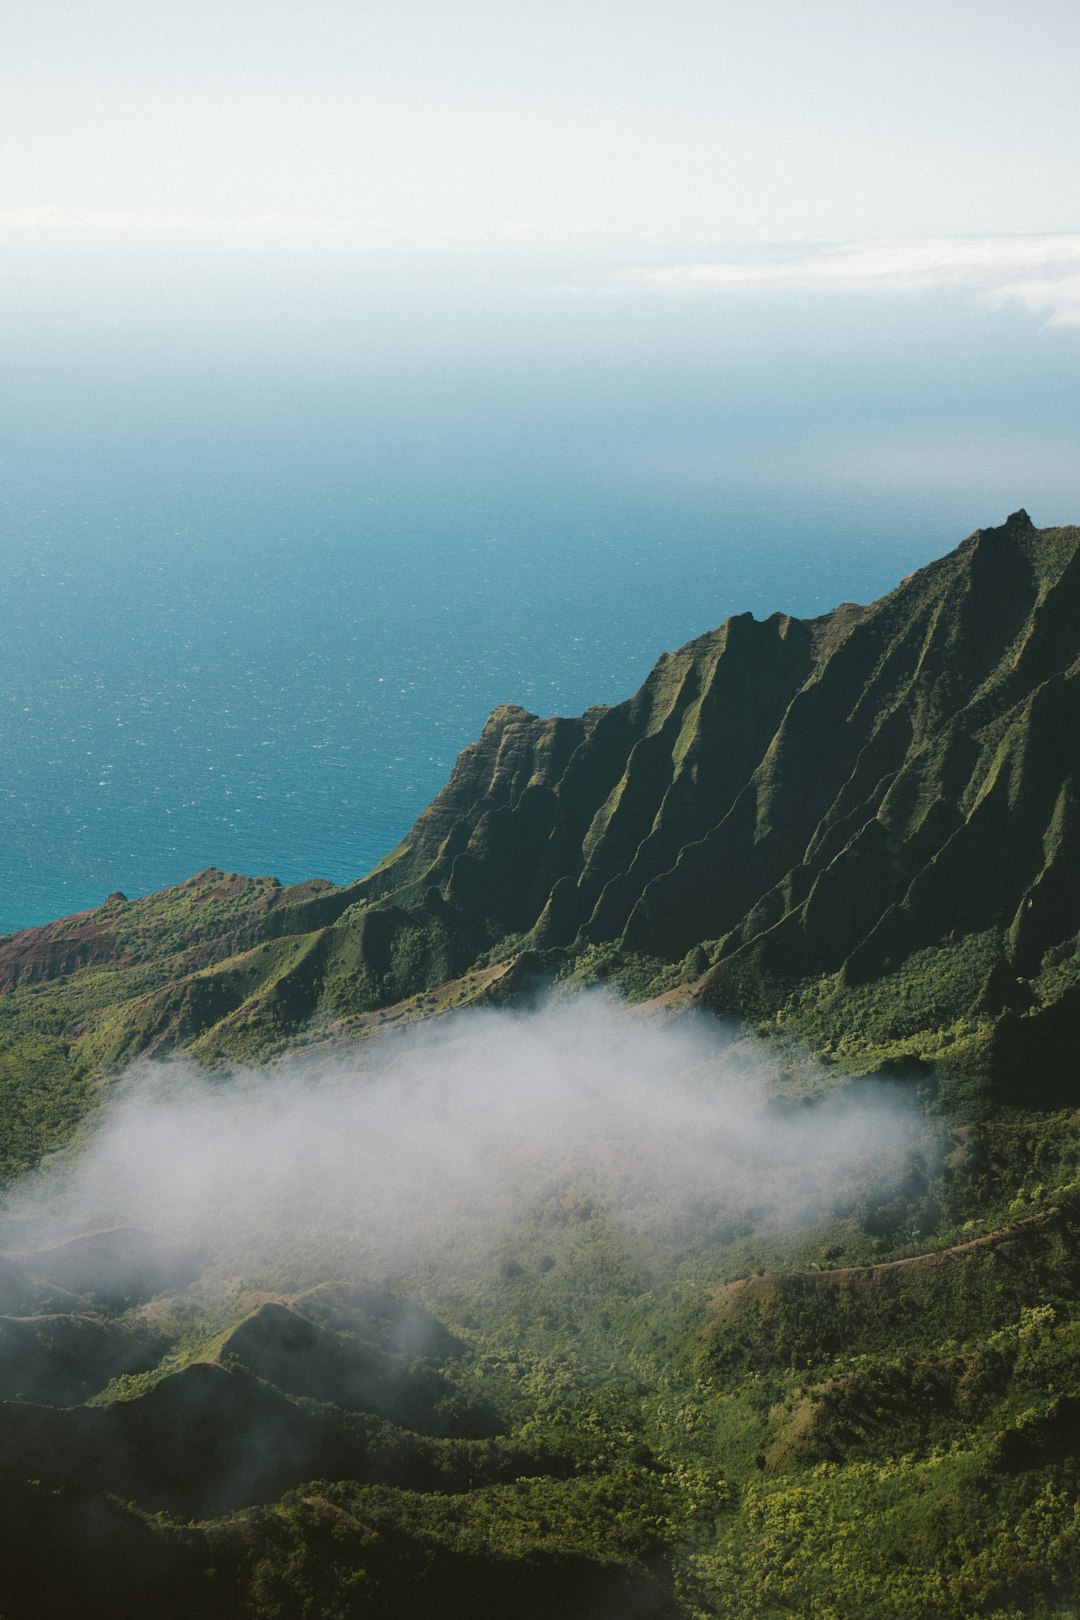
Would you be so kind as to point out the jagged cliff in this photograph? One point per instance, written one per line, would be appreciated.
(864, 826)
(824, 795)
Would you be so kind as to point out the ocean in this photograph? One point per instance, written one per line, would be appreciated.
(253, 609)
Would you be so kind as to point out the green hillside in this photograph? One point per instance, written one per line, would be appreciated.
(863, 830)
(858, 835)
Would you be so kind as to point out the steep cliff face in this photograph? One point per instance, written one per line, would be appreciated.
(786, 815)
(798, 798)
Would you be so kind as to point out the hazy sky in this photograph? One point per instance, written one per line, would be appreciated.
(688, 121)
(235, 180)
(539, 182)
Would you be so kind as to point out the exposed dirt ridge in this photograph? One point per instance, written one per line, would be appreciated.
(729, 1299)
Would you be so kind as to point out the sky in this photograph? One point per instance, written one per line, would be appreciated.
(624, 137)
(459, 214)
(502, 202)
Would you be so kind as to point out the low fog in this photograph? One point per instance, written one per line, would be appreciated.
(430, 1147)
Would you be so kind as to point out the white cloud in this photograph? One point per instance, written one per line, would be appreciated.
(1056, 298)
(432, 1144)
(1042, 273)
(1039, 273)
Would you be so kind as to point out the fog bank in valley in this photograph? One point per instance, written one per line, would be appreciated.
(427, 1148)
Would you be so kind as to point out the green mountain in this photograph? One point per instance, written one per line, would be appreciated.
(862, 830)
(857, 834)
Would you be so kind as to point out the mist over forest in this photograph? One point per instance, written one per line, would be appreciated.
(428, 1149)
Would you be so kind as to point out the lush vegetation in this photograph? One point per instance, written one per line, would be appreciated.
(725, 1419)
(859, 835)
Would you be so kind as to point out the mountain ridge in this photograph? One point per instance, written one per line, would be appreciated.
(787, 813)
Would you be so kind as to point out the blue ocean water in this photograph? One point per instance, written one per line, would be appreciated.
(249, 621)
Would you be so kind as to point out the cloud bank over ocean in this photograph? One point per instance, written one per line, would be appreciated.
(1040, 273)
